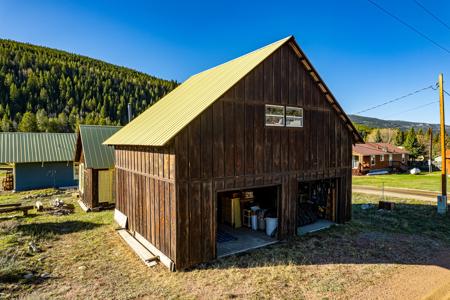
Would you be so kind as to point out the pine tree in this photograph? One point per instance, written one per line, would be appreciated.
(6, 124)
(63, 122)
(42, 120)
(412, 144)
(28, 123)
(378, 138)
(399, 138)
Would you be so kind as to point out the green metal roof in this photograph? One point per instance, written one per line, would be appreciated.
(97, 155)
(27, 147)
(163, 120)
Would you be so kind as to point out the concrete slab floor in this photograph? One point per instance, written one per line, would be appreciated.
(246, 239)
(320, 224)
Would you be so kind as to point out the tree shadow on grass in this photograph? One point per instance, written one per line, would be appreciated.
(411, 234)
(50, 229)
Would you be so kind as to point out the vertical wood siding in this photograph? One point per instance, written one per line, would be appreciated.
(228, 146)
(90, 194)
(145, 193)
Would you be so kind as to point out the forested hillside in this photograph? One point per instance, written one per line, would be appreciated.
(43, 89)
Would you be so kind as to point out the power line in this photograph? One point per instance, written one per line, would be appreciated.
(446, 92)
(409, 26)
(432, 14)
(396, 99)
(414, 108)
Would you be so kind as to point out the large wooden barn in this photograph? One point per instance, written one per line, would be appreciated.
(95, 164)
(260, 138)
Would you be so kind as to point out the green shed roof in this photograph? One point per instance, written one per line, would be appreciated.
(91, 138)
(27, 147)
(163, 120)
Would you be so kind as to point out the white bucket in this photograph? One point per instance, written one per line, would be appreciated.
(255, 222)
(271, 225)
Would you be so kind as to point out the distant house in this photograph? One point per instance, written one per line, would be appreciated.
(373, 156)
(95, 163)
(38, 160)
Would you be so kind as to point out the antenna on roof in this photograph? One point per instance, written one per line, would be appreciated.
(129, 112)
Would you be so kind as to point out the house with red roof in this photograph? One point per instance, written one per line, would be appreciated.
(376, 156)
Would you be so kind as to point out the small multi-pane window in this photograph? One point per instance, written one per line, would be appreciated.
(274, 115)
(294, 116)
(372, 160)
(382, 157)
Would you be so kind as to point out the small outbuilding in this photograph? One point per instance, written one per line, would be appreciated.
(38, 160)
(95, 163)
(237, 157)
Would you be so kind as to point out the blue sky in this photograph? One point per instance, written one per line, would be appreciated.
(364, 56)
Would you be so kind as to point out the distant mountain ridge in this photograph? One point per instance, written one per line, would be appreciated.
(403, 125)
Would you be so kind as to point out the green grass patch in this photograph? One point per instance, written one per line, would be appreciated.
(408, 217)
(422, 181)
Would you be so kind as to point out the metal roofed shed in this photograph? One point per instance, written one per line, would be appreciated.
(95, 164)
(259, 132)
(38, 160)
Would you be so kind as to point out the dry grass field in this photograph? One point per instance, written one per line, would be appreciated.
(81, 257)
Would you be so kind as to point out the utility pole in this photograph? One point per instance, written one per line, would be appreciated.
(430, 157)
(442, 199)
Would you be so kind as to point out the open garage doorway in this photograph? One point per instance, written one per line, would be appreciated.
(316, 205)
(247, 219)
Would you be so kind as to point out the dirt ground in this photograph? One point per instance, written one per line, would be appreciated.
(414, 282)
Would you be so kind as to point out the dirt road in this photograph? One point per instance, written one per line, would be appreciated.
(397, 192)
(431, 281)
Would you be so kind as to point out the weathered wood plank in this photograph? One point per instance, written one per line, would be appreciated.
(239, 134)
(195, 222)
(249, 140)
(229, 143)
(218, 140)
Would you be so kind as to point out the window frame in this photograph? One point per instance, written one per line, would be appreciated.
(382, 157)
(355, 162)
(294, 117)
(373, 160)
(283, 116)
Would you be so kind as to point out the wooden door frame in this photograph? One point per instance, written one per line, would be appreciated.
(216, 211)
(337, 180)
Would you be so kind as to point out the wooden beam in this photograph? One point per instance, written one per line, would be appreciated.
(146, 256)
(162, 257)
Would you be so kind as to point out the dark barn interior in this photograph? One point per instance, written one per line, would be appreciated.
(316, 203)
(242, 216)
